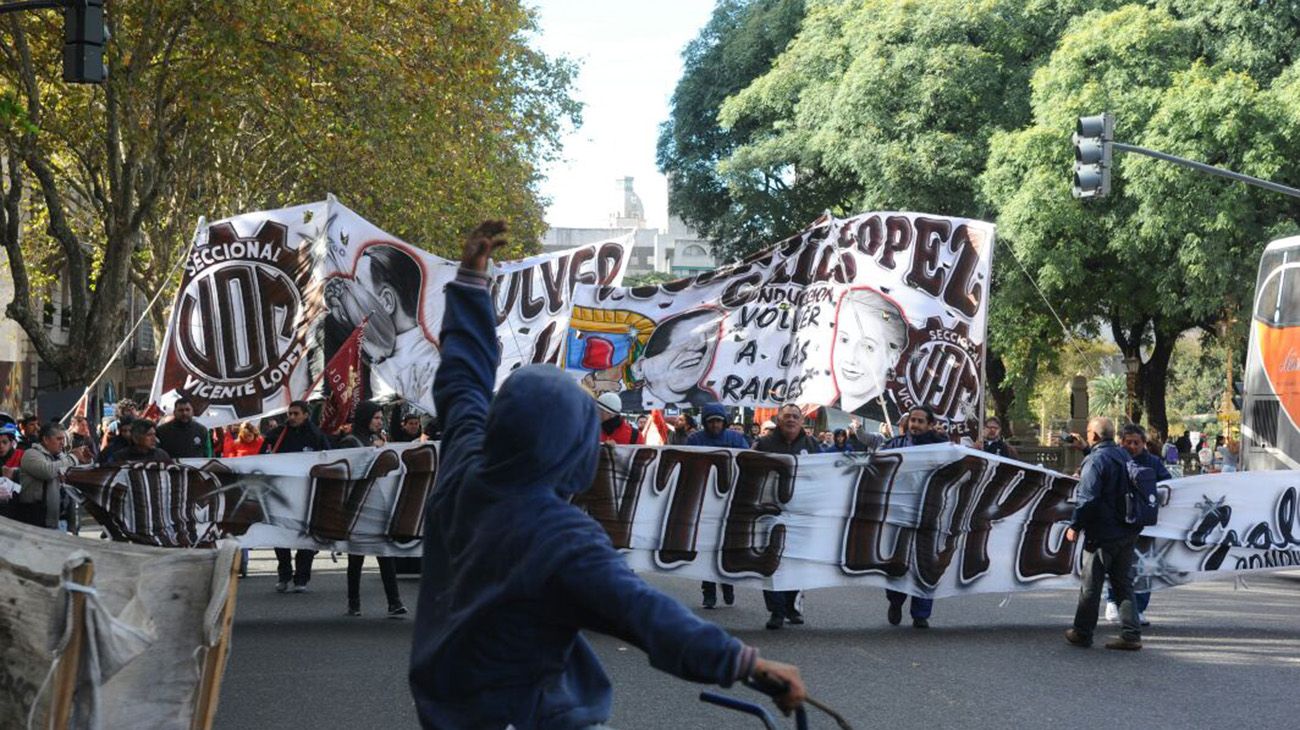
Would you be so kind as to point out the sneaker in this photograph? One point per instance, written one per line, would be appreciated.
(1142, 620)
(398, 610)
(1077, 639)
(710, 602)
(775, 622)
(920, 623)
(1112, 612)
(354, 612)
(1124, 645)
(728, 595)
(298, 588)
(895, 614)
(282, 586)
(795, 619)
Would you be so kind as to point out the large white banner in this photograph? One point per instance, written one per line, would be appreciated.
(935, 520)
(267, 298)
(853, 313)
(243, 319)
(397, 289)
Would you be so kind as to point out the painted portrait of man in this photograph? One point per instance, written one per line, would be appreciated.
(869, 339)
(386, 287)
(677, 358)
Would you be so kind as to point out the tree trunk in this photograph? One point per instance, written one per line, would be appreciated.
(1000, 390)
(1153, 377)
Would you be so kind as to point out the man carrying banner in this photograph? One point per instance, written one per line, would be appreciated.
(920, 431)
(298, 434)
(512, 572)
(787, 438)
(1134, 440)
(716, 434)
(183, 437)
(1108, 546)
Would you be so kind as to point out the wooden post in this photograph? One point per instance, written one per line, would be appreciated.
(214, 665)
(65, 677)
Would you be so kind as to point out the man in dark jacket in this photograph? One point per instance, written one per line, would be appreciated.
(1133, 439)
(143, 436)
(788, 438)
(920, 432)
(994, 443)
(716, 434)
(512, 572)
(183, 437)
(297, 435)
(1109, 542)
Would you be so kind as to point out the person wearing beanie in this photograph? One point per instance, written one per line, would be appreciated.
(716, 434)
(614, 429)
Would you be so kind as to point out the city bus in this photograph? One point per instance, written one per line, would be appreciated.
(1270, 436)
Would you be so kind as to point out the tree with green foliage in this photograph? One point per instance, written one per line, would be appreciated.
(421, 116)
(1170, 249)
(736, 46)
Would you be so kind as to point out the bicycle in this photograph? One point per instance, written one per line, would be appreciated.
(771, 689)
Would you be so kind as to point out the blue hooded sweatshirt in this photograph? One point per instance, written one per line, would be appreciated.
(511, 570)
(728, 439)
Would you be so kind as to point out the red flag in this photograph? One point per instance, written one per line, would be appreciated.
(152, 413)
(656, 429)
(343, 376)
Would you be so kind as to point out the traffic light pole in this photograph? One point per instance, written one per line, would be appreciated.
(1202, 167)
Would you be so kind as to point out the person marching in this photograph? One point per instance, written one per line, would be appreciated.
(920, 431)
(716, 434)
(368, 430)
(512, 571)
(788, 438)
(298, 434)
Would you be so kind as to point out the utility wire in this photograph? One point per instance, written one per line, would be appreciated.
(1083, 360)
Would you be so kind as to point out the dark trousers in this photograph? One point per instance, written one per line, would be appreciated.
(710, 590)
(780, 603)
(294, 567)
(921, 607)
(1113, 560)
(387, 574)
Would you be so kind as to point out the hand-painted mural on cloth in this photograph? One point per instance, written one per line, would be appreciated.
(268, 298)
(874, 314)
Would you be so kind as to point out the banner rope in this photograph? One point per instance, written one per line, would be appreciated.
(85, 395)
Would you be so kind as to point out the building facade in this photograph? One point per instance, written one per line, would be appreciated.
(676, 250)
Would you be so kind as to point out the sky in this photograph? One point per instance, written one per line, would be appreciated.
(630, 56)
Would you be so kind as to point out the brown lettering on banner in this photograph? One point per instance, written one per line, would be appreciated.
(612, 499)
(421, 474)
(554, 278)
(529, 305)
(964, 291)
(335, 498)
(682, 523)
(898, 238)
(1010, 490)
(740, 551)
(864, 550)
(509, 284)
(926, 273)
(608, 262)
(1037, 557)
(935, 543)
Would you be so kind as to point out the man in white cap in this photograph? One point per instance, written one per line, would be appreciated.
(614, 429)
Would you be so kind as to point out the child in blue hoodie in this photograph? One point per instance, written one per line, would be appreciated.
(511, 571)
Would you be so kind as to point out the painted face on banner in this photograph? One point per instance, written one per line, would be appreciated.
(870, 336)
(678, 355)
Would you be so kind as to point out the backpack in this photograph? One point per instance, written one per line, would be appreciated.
(1141, 499)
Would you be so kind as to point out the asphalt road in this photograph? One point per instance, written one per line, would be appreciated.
(1217, 654)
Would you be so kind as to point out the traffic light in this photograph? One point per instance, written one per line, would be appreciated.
(1092, 140)
(83, 41)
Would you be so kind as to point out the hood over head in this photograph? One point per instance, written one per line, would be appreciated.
(713, 410)
(541, 433)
